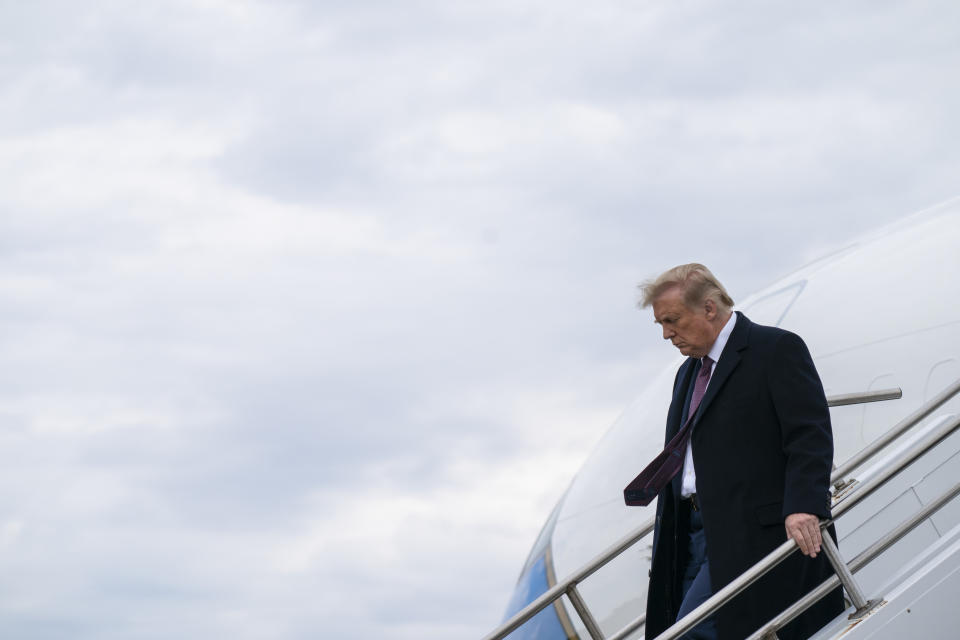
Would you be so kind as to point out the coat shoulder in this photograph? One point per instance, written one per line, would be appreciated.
(766, 336)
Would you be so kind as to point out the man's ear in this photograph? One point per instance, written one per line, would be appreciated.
(710, 308)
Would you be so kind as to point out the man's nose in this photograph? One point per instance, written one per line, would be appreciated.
(667, 333)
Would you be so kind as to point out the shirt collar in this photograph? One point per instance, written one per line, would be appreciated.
(722, 338)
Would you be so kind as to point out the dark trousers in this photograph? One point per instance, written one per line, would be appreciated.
(696, 579)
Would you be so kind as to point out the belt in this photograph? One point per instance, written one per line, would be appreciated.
(691, 500)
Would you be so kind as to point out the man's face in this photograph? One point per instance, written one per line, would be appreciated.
(690, 330)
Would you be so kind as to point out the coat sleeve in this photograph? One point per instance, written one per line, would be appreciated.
(805, 432)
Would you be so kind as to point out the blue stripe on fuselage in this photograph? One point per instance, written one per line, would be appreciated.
(545, 625)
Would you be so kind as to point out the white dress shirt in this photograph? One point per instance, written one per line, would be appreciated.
(688, 485)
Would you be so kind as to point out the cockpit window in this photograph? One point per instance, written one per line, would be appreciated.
(772, 308)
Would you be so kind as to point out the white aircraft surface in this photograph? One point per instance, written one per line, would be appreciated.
(882, 312)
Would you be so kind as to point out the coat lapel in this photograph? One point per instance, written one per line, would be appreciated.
(729, 360)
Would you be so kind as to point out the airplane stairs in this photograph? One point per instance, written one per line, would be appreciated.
(899, 530)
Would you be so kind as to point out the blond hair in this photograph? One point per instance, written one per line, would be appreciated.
(695, 280)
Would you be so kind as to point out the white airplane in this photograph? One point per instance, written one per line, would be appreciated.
(881, 313)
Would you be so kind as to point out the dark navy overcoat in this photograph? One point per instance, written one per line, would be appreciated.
(762, 449)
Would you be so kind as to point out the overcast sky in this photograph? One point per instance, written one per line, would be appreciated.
(309, 311)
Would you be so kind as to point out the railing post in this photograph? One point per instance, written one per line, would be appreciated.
(592, 627)
(847, 580)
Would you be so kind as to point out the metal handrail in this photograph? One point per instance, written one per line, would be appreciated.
(568, 585)
(632, 626)
(570, 582)
(898, 429)
(845, 399)
(868, 488)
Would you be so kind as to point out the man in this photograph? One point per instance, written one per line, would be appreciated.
(747, 465)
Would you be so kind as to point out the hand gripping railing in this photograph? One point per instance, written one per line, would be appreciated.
(770, 629)
(568, 585)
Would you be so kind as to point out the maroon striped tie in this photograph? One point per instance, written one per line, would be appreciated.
(645, 487)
